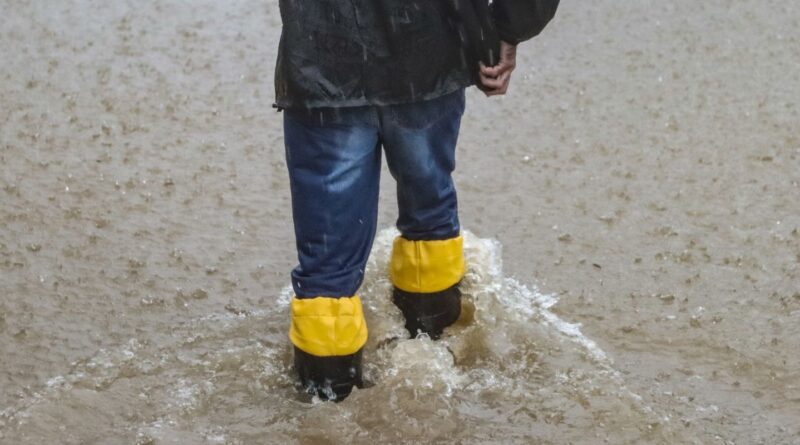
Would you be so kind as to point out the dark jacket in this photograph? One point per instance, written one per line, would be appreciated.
(337, 53)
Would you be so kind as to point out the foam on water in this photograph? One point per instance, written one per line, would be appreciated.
(509, 368)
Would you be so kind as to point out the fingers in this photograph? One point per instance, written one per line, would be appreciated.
(494, 87)
(508, 61)
(494, 80)
(497, 70)
(489, 71)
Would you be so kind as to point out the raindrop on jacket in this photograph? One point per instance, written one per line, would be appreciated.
(337, 53)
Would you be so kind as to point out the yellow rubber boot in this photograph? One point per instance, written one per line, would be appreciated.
(328, 335)
(425, 275)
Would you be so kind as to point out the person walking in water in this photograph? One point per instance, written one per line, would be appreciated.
(355, 79)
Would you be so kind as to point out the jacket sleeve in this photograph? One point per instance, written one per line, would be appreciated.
(520, 20)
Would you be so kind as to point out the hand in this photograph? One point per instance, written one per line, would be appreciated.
(495, 80)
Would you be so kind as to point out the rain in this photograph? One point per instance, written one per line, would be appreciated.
(630, 212)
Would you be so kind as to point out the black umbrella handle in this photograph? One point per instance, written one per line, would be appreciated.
(485, 38)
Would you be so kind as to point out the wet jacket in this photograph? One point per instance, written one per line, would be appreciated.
(336, 53)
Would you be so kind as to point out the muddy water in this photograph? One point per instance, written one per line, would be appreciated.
(641, 181)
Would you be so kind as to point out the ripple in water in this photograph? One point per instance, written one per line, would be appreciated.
(510, 371)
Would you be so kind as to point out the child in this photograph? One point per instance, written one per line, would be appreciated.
(355, 76)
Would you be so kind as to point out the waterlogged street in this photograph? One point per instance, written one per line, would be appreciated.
(632, 220)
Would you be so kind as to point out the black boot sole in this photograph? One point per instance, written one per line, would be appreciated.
(329, 378)
(429, 313)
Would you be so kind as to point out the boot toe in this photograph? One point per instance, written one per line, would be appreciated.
(429, 313)
(329, 378)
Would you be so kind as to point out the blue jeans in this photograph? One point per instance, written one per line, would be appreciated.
(334, 161)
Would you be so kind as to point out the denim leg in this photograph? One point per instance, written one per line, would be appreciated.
(420, 142)
(334, 162)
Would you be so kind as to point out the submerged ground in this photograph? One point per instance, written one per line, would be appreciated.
(641, 181)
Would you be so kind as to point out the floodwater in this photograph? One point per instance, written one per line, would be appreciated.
(633, 217)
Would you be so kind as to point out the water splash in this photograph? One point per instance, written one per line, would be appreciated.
(509, 366)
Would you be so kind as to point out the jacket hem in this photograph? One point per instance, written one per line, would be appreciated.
(366, 102)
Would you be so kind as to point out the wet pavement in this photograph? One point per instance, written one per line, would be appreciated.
(633, 245)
